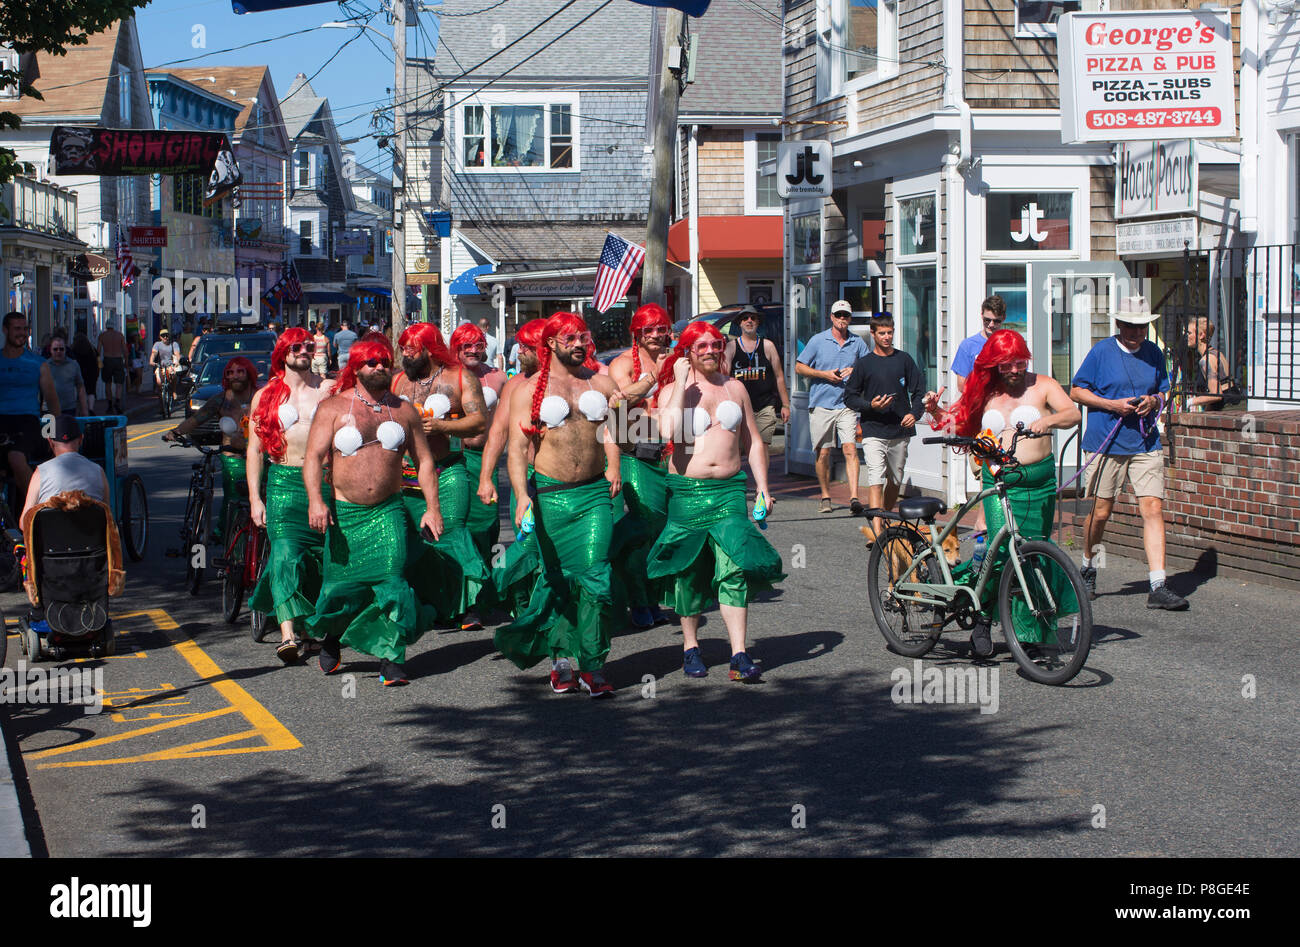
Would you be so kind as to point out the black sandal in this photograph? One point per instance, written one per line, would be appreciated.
(287, 652)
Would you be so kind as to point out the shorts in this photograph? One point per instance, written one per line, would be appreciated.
(114, 370)
(823, 423)
(24, 433)
(884, 458)
(1146, 472)
(765, 418)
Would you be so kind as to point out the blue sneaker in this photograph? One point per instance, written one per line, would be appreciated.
(693, 664)
(743, 669)
(641, 618)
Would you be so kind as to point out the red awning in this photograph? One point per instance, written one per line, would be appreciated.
(731, 237)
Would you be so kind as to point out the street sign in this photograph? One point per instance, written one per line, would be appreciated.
(148, 236)
(803, 169)
(1157, 238)
(1135, 76)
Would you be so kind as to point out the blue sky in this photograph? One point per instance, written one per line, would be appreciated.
(356, 82)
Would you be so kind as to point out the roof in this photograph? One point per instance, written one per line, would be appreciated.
(299, 106)
(546, 245)
(75, 84)
(728, 237)
(202, 86)
(239, 84)
(739, 67)
(613, 44)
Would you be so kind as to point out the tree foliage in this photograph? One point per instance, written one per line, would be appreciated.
(49, 26)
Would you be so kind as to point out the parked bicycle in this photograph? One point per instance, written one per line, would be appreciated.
(196, 527)
(1041, 595)
(241, 566)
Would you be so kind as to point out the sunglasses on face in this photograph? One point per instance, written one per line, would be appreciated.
(1019, 365)
(56, 351)
(716, 345)
(992, 322)
(297, 347)
(579, 338)
(474, 347)
(376, 362)
(654, 333)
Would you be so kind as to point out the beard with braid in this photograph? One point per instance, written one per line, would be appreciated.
(416, 368)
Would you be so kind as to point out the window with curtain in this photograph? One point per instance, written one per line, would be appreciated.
(765, 195)
(532, 136)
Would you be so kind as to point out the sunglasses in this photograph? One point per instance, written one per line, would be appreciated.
(474, 347)
(297, 347)
(717, 345)
(1019, 365)
(376, 362)
(841, 315)
(578, 338)
(753, 318)
(655, 333)
(993, 322)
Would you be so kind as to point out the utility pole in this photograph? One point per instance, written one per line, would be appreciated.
(668, 92)
(398, 298)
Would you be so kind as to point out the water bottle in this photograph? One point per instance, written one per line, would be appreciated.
(528, 524)
(760, 510)
(977, 560)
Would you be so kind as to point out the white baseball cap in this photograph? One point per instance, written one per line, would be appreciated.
(841, 305)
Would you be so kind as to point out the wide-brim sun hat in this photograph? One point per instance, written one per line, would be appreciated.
(1135, 311)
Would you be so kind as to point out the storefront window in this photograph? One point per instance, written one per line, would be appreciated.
(807, 231)
(917, 331)
(1008, 281)
(1025, 221)
(916, 226)
(806, 303)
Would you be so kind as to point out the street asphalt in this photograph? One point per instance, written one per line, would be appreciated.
(1177, 739)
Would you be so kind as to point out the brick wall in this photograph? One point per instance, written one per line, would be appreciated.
(1232, 497)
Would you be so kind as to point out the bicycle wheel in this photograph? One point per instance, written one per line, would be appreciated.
(232, 586)
(256, 555)
(911, 630)
(1061, 629)
(135, 517)
(196, 550)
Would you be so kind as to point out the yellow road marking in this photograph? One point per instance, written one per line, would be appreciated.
(264, 725)
(140, 437)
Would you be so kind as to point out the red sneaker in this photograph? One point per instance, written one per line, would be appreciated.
(594, 683)
(563, 680)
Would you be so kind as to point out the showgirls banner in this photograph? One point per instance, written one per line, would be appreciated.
(113, 151)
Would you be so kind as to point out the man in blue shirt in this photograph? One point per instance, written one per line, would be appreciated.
(1123, 383)
(993, 312)
(25, 379)
(827, 361)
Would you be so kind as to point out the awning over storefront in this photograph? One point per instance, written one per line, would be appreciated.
(317, 298)
(464, 285)
(730, 237)
(375, 290)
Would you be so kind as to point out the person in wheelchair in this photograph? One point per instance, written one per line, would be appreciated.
(72, 543)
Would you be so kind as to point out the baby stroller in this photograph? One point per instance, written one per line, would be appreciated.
(74, 563)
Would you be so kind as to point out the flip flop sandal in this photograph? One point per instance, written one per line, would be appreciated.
(287, 652)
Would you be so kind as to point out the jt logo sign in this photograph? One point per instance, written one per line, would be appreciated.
(1029, 218)
(803, 169)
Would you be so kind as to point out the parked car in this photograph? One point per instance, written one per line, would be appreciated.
(231, 343)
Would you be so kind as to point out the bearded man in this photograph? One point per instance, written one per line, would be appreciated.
(561, 413)
(366, 601)
(450, 572)
(282, 414)
(229, 409)
(644, 465)
(709, 549)
(469, 346)
(1000, 392)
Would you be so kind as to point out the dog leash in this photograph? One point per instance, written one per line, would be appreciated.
(1143, 429)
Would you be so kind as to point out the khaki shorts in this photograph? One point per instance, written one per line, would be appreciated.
(1146, 472)
(765, 418)
(884, 457)
(824, 423)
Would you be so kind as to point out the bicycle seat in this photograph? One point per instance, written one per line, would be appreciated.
(921, 508)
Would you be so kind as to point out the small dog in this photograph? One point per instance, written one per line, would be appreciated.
(902, 557)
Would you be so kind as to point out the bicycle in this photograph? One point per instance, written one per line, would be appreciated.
(913, 604)
(196, 527)
(167, 390)
(241, 566)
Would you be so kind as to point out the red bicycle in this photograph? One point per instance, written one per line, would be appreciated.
(241, 567)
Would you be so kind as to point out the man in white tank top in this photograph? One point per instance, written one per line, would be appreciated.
(69, 470)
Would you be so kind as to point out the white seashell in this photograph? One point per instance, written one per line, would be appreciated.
(347, 440)
(311, 412)
(730, 415)
(1025, 414)
(593, 405)
(700, 421)
(553, 411)
(391, 435)
(288, 415)
(438, 404)
(993, 421)
(490, 398)
(229, 426)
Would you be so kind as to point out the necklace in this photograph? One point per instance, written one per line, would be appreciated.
(427, 385)
(373, 407)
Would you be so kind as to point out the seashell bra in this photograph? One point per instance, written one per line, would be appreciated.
(347, 439)
(729, 415)
(995, 423)
(555, 409)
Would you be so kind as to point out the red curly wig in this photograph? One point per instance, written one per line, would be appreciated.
(985, 381)
(647, 317)
(426, 336)
(371, 345)
(466, 334)
(266, 420)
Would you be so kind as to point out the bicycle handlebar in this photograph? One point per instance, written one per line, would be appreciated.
(183, 440)
(980, 447)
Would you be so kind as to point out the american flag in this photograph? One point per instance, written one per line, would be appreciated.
(125, 265)
(293, 288)
(619, 262)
